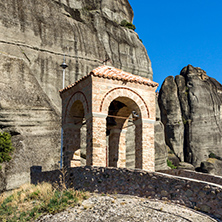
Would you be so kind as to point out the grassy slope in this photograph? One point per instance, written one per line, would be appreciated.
(30, 201)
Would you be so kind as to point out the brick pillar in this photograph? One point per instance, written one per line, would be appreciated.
(148, 150)
(122, 149)
(117, 148)
(114, 139)
(138, 145)
(98, 139)
(89, 139)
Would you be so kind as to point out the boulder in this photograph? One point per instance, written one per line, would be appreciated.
(185, 166)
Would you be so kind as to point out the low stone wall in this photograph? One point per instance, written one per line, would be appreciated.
(203, 196)
(194, 175)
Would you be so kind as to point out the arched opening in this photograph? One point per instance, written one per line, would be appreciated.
(124, 134)
(75, 149)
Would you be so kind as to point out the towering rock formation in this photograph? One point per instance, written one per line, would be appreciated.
(34, 36)
(88, 32)
(191, 110)
(160, 144)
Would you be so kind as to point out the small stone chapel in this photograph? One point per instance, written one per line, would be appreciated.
(102, 113)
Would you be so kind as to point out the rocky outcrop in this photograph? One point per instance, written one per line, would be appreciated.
(191, 111)
(160, 145)
(35, 34)
(171, 116)
(26, 112)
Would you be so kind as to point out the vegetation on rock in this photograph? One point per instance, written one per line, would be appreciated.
(214, 156)
(170, 164)
(128, 25)
(6, 147)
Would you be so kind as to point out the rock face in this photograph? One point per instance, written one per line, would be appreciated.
(26, 112)
(34, 36)
(171, 116)
(88, 32)
(191, 111)
(160, 144)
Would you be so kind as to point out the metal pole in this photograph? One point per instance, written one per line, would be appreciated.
(63, 78)
(61, 153)
(64, 66)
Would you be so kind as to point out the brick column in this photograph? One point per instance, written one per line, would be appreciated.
(114, 147)
(148, 150)
(117, 148)
(89, 150)
(122, 149)
(98, 139)
(138, 145)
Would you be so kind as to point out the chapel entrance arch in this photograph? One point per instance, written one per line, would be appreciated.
(75, 149)
(124, 134)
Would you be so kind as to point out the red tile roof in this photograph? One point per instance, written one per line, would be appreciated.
(109, 72)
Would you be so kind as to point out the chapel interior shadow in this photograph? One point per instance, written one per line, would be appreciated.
(75, 149)
(124, 134)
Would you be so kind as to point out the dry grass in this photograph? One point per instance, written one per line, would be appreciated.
(30, 201)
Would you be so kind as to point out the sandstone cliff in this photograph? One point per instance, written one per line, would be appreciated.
(34, 36)
(191, 111)
(88, 32)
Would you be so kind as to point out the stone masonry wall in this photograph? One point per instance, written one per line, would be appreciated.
(194, 175)
(196, 194)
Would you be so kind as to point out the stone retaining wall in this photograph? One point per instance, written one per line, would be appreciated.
(199, 195)
(194, 175)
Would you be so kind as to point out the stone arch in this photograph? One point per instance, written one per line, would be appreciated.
(75, 130)
(124, 92)
(75, 97)
(123, 114)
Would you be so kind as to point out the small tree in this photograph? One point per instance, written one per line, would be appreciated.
(6, 147)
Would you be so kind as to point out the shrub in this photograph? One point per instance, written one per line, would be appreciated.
(170, 164)
(214, 156)
(6, 147)
(128, 25)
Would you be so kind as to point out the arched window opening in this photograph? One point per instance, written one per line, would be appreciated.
(124, 130)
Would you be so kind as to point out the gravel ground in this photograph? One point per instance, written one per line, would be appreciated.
(119, 208)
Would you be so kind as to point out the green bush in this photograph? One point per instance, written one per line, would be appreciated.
(170, 164)
(128, 25)
(214, 156)
(6, 147)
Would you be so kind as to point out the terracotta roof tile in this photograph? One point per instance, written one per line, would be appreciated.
(109, 72)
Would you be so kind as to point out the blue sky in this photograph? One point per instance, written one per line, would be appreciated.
(177, 33)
